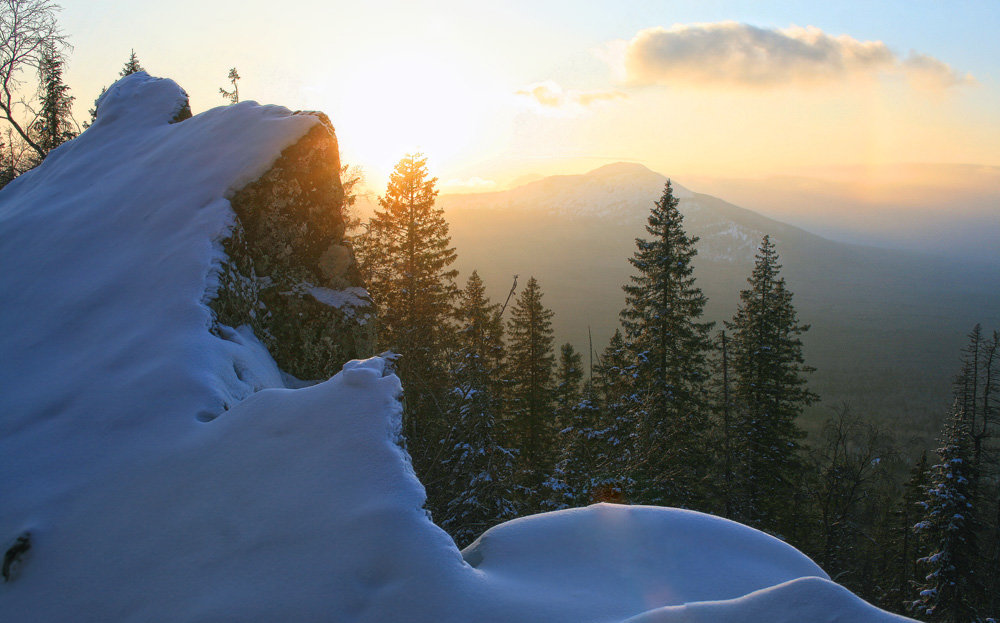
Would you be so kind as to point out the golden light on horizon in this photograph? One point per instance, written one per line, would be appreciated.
(412, 101)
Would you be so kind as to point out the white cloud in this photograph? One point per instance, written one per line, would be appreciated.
(549, 94)
(735, 54)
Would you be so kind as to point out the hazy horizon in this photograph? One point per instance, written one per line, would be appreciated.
(494, 94)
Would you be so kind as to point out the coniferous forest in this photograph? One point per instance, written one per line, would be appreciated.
(501, 422)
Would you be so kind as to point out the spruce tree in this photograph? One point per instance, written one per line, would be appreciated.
(904, 540)
(54, 125)
(477, 488)
(131, 66)
(770, 389)
(614, 436)
(663, 327)
(951, 591)
(569, 375)
(529, 368)
(563, 486)
(723, 441)
(405, 255)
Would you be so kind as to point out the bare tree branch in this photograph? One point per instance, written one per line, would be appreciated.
(27, 29)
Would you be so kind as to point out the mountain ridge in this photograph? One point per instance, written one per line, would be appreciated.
(575, 233)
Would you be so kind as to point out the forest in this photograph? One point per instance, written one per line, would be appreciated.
(501, 422)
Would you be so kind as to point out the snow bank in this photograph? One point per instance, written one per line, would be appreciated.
(805, 599)
(167, 474)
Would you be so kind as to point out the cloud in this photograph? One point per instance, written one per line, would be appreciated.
(735, 54)
(928, 72)
(548, 94)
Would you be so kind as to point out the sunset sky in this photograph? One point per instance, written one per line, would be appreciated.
(492, 92)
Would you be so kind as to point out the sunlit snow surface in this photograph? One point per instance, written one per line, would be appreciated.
(166, 474)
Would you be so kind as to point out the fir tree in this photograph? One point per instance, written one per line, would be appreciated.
(405, 255)
(723, 440)
(131, 66)
(951, 591)
(770, 389)
(662, 327)
(569, 375)
(614, 437)
(477, 485)
(54, 125)
(529, 368)
(562, 487)
(904, 541)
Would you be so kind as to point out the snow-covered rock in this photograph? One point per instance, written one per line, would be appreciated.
(166, 470)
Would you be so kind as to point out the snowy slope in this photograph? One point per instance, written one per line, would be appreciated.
(292, 504)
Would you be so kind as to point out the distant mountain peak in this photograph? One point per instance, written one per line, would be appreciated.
(621, 168)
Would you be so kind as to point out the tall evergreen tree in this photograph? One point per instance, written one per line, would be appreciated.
(529, 367)
(723, 441)
(951, 591)
(563, 485)
(54, 125)
(904, 541)
(662, 323)
(770, 389)
(477, 488)
(405, 255)
(614, 437)
(569, 376)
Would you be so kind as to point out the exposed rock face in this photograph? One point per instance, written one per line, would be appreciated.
(291, 275)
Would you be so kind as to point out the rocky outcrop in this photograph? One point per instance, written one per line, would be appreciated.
(290, 273)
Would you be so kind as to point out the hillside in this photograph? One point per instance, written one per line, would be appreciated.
(887, 325)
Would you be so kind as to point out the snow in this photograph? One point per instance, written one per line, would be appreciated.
(347, 300)
(169, 474)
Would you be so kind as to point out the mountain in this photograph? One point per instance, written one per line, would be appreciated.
(160, 464)
(944, 209)
(887, 325)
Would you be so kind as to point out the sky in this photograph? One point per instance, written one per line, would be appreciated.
(494, 92)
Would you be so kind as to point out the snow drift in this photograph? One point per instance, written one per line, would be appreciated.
(166, 473)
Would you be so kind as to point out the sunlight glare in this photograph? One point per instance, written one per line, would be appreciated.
(389, 107)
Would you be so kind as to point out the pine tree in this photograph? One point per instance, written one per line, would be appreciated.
(234, 95)
(529, 368)
(951, 591)
(662, 327)
(770, 389)
(477, 489)
(405, 255)
(54, 125)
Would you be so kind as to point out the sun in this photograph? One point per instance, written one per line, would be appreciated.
(392, 105)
